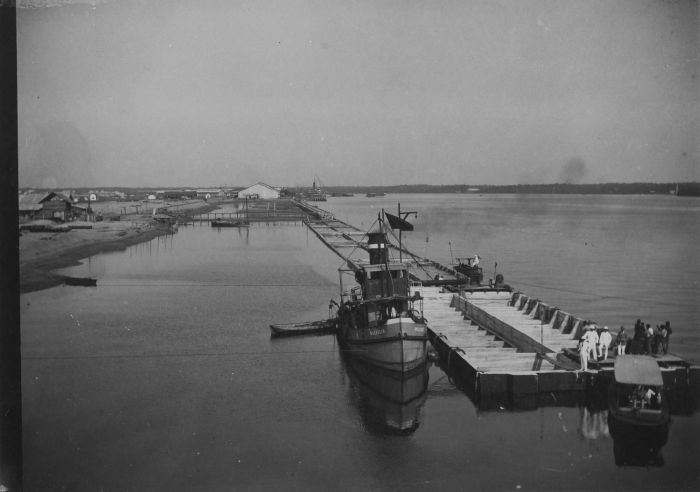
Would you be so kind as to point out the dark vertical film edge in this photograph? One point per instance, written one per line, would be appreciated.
(10, 356)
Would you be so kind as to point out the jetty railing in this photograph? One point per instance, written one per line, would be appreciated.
(553, 317)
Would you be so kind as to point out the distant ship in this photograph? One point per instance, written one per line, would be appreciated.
(316, 194)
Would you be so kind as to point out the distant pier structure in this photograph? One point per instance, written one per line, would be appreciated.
(257, 210)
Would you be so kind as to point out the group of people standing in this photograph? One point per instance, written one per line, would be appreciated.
(594, 343)
(650, 339)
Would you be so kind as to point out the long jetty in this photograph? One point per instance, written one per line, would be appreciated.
(495, 341)
(348, 242)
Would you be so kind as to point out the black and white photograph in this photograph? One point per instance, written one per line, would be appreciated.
(325, 245)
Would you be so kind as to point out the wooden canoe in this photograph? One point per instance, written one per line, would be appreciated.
(304, 328)
(84, 281)
(229, 223)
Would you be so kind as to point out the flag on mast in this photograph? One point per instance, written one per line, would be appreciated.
(398, 223)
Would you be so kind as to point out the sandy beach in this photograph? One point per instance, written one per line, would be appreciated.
(42, 252)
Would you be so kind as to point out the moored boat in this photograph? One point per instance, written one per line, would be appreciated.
(304, 328)
(229, 223)
(379, 321)
(636, 395)
(469, 267)
(81, 281)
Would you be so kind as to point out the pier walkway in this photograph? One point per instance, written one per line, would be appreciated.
(497, 341)
(503, 342)
(482, 349)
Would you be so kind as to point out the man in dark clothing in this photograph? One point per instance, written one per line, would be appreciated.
(665, 335)
(638, 338)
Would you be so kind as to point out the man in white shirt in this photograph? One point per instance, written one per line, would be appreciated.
(605, 341)
(592, 337)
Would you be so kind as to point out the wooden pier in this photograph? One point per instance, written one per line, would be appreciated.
(493, 340)
(503, 342)
(345, 240)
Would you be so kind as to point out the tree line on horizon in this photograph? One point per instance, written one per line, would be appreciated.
(681, 189)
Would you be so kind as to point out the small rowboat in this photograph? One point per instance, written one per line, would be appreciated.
(230, 223)
(83, 281)
(304, 328)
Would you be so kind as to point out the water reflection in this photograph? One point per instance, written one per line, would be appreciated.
(594, 424)
(164, 243)
(632, 445)
(637, 445)
(241, 232)
(388, 402)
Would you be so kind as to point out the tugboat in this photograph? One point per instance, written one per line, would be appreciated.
(379, 321)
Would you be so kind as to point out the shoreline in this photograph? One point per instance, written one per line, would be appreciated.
(37, 273)
(40, 253)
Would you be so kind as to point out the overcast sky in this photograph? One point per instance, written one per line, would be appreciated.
(214, 92)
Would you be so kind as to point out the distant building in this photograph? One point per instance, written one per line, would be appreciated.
(207, 193)
(259, 190)
(88, 197)
(47, 205)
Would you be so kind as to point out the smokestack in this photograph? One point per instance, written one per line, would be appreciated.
(377, 248)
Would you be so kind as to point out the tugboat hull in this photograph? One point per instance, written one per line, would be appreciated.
(399, 344)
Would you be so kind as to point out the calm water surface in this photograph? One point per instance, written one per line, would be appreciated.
(164, 377)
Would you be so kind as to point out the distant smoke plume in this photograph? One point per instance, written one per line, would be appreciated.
(573, 172)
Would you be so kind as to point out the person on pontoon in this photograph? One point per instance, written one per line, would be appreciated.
(587, 346)
(605, 341)
(592, 337)
(621, 341)
(583, 350)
